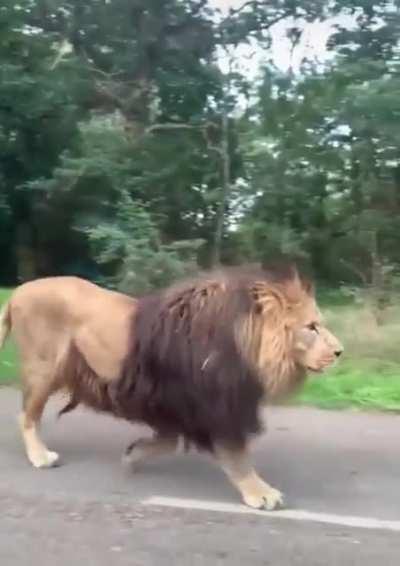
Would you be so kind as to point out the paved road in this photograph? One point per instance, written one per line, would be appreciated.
(92, 510)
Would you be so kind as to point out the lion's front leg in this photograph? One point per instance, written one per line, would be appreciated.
(255, 492)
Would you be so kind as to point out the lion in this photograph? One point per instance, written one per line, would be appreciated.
(196, 361)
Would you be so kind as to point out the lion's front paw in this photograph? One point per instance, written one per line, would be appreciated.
(44, 459)
(263, 496)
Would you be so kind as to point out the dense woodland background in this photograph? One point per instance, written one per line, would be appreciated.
(130, 154)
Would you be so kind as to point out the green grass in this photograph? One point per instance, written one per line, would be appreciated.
(356, 387)
(368, 375)
(8, 356)
(367, 378)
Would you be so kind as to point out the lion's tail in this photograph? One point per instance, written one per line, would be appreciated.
(5, 323)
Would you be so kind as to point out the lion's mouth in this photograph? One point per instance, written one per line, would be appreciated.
(316, 370)
(322, 367)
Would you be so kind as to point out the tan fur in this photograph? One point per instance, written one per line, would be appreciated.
(255, 492)
(73, 335)
(145, 448)
(47, 317)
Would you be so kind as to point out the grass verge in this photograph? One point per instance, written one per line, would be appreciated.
(363, 388)
(368, 375)
(8, 357)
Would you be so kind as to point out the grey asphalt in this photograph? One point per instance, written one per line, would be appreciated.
(91, 510)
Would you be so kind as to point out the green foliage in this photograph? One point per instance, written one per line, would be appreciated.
(257, 244)
(367, 376)
(9, 365)
(148, 63)
(322, 152)
(355, 387)
(131, 244)
(102, 101)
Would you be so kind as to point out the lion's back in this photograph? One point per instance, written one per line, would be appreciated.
(55, 298)
(63, 295)
(48, 314)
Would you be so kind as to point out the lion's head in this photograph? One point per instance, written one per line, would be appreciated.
(284, 332)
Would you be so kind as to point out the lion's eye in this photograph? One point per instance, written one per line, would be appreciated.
(312, 326)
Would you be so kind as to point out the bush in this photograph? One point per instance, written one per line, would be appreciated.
(130, 248)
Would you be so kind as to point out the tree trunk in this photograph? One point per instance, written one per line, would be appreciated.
(225, 189)
(25, 253)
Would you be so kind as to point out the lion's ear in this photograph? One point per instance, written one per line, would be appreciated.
(268, 300)
(295, 288)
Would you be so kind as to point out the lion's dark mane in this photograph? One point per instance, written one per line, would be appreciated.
(185, 374)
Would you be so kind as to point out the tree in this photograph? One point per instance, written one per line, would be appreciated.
(325, 149)
(39, 109)
(103, 103)
(148, 61)
(131, 247)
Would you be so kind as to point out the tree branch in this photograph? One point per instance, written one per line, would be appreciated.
(172, 126)
(255, 4)
(236, 11)
(356, 271)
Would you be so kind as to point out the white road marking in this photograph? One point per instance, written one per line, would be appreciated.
(293, 514)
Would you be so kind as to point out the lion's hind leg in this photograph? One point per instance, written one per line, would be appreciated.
(35, 396)
(145, 448)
